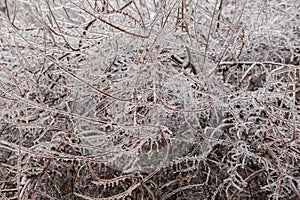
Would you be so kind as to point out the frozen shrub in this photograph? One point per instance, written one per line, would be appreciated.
(149, 99)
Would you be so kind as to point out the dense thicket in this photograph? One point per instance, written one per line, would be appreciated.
(171, 99)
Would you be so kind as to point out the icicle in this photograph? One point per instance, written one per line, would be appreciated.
(194, 164)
